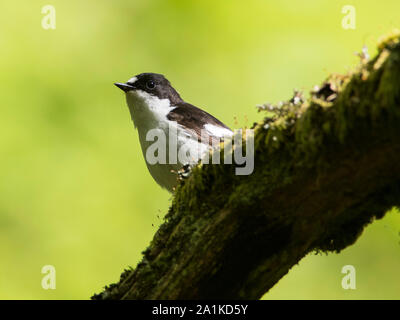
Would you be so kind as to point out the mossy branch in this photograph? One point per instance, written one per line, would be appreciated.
(324, 169)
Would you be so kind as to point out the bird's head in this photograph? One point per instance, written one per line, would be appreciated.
(149, 86)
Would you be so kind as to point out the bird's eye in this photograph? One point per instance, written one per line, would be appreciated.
(150, 84)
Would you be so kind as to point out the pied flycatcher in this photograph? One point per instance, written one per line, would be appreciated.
(155, 105)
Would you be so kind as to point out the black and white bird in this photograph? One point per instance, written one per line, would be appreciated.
(154, 104)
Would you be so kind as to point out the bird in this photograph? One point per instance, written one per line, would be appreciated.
(156, 108)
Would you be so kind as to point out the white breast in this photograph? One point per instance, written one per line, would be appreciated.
(149, 112)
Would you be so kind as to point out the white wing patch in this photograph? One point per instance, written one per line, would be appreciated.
(218, 131)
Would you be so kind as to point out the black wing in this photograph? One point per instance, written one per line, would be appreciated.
(189, 116)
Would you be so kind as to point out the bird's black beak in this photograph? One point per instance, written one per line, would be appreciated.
(124, 86)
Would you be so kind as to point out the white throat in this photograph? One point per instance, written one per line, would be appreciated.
(147, 111)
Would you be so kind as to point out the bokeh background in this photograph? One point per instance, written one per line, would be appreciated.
(74, 189)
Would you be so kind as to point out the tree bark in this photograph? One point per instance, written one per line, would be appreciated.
(324, 169)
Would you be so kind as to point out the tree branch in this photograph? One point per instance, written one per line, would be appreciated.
(324, 169)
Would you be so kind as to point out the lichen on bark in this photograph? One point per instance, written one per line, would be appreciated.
(325, 167)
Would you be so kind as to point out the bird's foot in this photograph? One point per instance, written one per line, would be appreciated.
(184, 172)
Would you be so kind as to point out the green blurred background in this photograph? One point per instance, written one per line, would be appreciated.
(74, 189)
